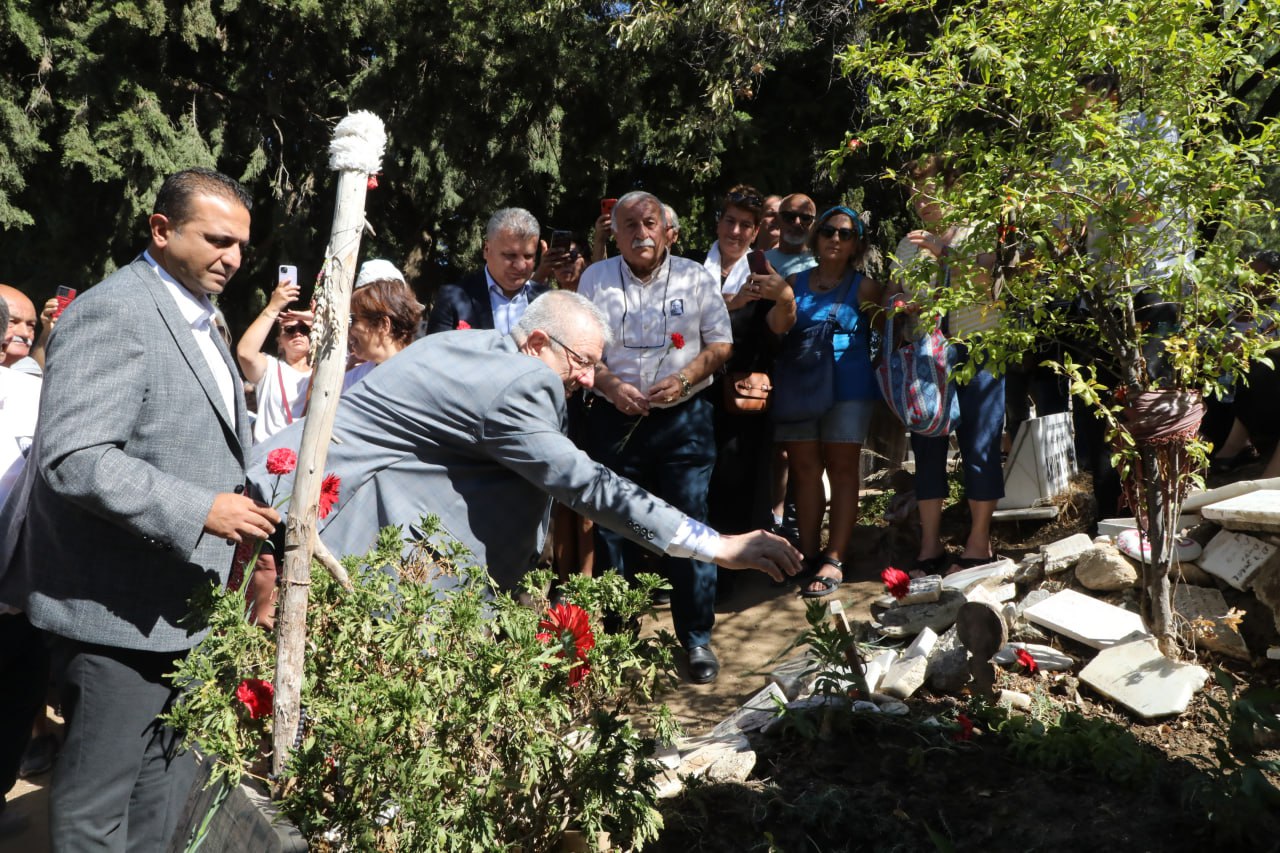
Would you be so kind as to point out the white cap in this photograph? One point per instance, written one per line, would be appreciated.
(376, 270)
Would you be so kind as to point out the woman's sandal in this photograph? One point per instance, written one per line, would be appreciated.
(959, 564)
(929, 565)
(829, 584)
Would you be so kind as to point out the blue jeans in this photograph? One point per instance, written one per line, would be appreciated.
(981, 423)
(671, 453)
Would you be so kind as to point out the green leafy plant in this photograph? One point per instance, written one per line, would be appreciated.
(446, 720)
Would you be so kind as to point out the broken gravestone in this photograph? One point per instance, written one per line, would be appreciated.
(1266, 586)
(1136, 675)
(1258, 510)
(911, 619)
(754, 714)
(1102, 568)
(948, 669)
(719, 759)
(1063, 554)
(1092, 622)
(1235, 557)
(1209, 622)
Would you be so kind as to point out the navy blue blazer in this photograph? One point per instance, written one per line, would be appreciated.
(467, 301)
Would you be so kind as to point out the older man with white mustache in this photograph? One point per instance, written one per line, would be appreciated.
(671, 333)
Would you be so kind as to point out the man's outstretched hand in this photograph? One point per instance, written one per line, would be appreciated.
(761, 550)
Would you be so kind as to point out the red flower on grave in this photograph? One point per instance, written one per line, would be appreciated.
(258, 696)
(282, 460)
(966, 728)
(896, 580)
(1025, 658)
(567, 626)
(329, 494)
(463, 324)
(677, 340)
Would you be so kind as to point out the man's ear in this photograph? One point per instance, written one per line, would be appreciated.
(161, 229)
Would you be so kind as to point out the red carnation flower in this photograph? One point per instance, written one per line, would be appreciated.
(258, 696)
(897, 581)
(282, 460)
(463, 324)
(677, 340)
(966, 728)
(567, 625)
(329, 494)
(1025, 658)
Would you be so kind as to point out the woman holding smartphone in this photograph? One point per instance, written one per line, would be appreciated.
(280, 381)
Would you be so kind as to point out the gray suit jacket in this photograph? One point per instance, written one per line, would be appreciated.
(463, 426)
(104, 537)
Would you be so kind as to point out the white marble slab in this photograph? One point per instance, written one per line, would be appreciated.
(1080, 617)
(1258, 510)
(1137, 676)
(1235, 557)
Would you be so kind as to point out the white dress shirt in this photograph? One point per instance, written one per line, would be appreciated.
(507, 310)
(198, 312)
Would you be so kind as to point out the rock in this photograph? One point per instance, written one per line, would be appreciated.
(905, 677)
(1266, 586)
(1061, 555)
(948, 669)
(1047, 658)
(913, 618)
(1236, 557)
(982, 631)
(1030, 570)
(1104, 569)
(1014, 699)
(754, 714)
(1273, 653)
(1033, 598)
(892, 707)
(667, 754)
(866, 706)
(1190, 573)
(1207, 621)
(669, 784)
(1136, 675)
(722, 759)
(795, 675)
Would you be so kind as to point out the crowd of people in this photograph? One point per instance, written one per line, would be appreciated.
(615, 391)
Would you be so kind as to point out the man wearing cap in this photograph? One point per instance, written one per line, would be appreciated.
(496, 296)
(671, 332)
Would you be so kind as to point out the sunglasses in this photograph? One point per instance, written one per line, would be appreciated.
(296, 329)
(796, 216)
(846, 234)
(744, 199)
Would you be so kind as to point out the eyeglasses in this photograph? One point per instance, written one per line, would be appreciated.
(743, 199)
(575, 359)
(296, 329)
(797, 216)
(846, 234)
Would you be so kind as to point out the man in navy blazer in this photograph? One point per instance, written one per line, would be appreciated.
(132, 502)
(495, 297)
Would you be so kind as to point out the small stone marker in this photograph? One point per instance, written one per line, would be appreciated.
(992, 592)
(1258, 510)
(905, 677)
(1205, 611)
(1063, 554)
(1001, 569)
(982, 630)
(1047, 658)
(1092, 622)
(913, 618)
(925, 590)
(1235, 557)
(922, 644)
(948, 670)
(877, 667)
(1136, 675)
(754, 714)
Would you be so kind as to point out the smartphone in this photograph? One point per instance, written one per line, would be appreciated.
(288, 274)
(64, 297)
(606, 205)
(561, 240)
(756, 261)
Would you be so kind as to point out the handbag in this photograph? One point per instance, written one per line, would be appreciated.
(804, 372)
(914, 380)
(746, 392)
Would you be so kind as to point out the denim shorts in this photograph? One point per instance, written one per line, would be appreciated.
(847, 422)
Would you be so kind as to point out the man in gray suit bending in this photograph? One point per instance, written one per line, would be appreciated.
(130, 504)
(470, 427)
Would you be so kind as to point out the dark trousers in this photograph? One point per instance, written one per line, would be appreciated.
(120, 781)
(24, 672)
(671, 453)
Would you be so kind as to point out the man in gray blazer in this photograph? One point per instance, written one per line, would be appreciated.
(131, 503)
(470, 427)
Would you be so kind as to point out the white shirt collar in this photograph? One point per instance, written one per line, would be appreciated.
(653, 276)
(196, 310)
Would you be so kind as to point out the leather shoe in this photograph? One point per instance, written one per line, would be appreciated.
(703, 665)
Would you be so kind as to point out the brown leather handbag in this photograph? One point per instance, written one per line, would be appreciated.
(746, 393)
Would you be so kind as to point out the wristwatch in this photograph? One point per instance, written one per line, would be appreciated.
(685, 385)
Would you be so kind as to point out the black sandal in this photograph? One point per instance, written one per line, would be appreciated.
(829, 584)
(930, 566)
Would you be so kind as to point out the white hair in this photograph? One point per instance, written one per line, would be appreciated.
(512, 220)
(635, 197)
(555, 314)
(673, 221)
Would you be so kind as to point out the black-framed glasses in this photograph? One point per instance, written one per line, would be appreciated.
(797, 216)
(744, 199)
(296, 329)
(576, 359)
(828, 231)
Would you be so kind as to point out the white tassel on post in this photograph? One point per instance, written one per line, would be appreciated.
(355, 153)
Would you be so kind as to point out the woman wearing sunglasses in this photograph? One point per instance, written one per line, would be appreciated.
(280, 381)
(833, 442)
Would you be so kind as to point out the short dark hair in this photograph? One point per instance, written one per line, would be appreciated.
(392, 299)
(1268, 258)
(931, 166)
(747, 199)
(179, 189)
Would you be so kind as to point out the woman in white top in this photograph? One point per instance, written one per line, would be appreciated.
(281, 380)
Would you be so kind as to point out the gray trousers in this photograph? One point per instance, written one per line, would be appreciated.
(120, 781)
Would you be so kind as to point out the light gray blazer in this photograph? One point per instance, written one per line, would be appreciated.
(103, 541)
(464, 426)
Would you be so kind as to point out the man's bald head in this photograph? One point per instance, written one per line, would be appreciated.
(796, 213)
(20, 331)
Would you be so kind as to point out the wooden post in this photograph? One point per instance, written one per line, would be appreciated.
(356, 153)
